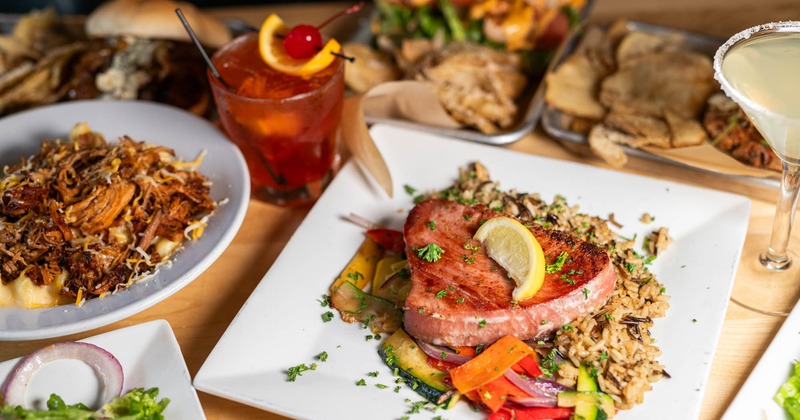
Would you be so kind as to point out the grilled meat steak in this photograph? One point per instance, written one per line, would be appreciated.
(464, 298)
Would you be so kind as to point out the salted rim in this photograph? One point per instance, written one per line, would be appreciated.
(730, 91)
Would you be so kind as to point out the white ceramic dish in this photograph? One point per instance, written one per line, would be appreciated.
(280, 325)
(754, 399)
(21, 135)
(150, 357)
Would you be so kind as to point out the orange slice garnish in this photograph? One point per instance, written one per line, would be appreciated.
(270, 45)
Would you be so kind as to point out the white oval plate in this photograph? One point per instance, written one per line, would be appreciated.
(21, 135)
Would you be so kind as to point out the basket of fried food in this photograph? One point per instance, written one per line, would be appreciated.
(479, 57)
(639, 86)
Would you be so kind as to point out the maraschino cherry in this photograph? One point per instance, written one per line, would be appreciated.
(304, 41)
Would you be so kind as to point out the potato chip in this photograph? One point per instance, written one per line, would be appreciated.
(678, 82)
(572, 88)
(685, 132)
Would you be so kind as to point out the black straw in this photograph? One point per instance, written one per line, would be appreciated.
(196, 42)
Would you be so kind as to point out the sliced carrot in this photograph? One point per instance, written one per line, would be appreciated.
(464, 351)
(490, 364)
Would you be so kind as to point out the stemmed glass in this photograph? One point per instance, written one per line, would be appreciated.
(759, 68)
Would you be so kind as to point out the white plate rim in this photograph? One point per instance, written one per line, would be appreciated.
(108, 112)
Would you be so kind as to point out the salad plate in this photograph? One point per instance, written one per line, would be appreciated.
(754, 399)
(150, 357)
(282, 325)
(188, 135)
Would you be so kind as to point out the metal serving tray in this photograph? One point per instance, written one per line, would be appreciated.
(553, 120)
(530, 103)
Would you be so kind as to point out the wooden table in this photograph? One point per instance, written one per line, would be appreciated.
(200, 312)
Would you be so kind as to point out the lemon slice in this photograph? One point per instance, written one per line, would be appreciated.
(510, 244)
(270, 45)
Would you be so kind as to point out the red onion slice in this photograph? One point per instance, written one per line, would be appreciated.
(105, 365)
(437, 351)
(542, 391)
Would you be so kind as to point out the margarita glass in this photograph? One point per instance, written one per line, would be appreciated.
(758, 68)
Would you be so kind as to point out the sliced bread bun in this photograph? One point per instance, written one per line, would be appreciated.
(155, 19)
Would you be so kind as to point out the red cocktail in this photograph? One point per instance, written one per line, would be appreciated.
(285, 125)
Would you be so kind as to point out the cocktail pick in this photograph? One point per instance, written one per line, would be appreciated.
(197, 44)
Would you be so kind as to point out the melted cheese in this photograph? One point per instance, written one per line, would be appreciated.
(22, 293)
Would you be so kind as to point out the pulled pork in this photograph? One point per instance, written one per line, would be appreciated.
(96, 212)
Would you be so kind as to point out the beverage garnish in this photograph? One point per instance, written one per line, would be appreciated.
(299, 50)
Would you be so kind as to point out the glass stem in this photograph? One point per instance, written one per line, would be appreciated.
(777, 257)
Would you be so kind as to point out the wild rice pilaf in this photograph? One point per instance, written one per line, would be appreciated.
(614, 340)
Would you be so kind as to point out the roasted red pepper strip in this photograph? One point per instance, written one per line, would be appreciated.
(532, 413)
(390, 239)
(495, 393)
(440, 364)
(530, 366)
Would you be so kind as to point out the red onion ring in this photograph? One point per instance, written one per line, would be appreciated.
(542, 391)
(105, 365)
(437, 351)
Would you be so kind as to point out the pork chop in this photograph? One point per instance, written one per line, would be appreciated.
(464, 297)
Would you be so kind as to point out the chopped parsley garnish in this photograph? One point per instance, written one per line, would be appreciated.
(479, 348)
(373, 374)
(381, 386)
(355, 276)
(298, 370)
(441, 294)
(322, 357)
(460, 300)
(549, 364)
(556, 265)
(430, 253)
(431, 225)
(585, 292)
(603, 356)
(608, 316)
(467, 216)
(468, 260)
(482, 323)
(567, 327)
(325, 301)
(471, 247)
(361, 382)
(409, 189)
(327, 316)
(544, 321)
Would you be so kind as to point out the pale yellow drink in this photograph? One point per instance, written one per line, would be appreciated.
(765, 70)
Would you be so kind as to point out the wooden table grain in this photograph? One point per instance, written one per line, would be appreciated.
(200, 313)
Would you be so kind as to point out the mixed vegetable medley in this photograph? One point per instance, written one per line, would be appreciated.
(509, 379)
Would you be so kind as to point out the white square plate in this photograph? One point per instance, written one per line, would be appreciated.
(280, 325)
(150, 357)
(754, 399)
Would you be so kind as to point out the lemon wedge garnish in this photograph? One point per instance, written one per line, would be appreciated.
(270, 45)
(510, 244)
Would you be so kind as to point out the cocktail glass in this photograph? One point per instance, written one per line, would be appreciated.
(286, 126)
(759, 68)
